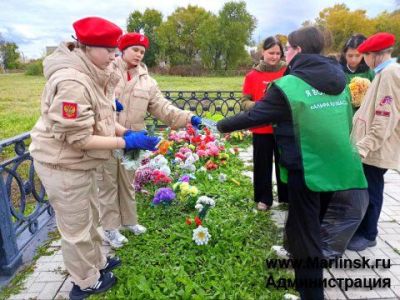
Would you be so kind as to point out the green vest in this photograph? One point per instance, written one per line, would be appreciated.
(322, 125)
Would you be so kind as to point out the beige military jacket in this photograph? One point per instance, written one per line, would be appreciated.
(77, 102)
(140, 95)
(376, 124)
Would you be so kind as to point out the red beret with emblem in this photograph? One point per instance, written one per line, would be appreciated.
(377, 42)
(95, 31)
(133, 39)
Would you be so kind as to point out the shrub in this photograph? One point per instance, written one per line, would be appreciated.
(35, 68)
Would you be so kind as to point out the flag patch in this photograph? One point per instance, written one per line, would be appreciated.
(69, 110)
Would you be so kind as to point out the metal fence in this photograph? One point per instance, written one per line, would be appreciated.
(24, 209)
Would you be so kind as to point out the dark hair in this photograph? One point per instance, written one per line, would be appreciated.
(353, 42)
(310, 39)
(272, 41)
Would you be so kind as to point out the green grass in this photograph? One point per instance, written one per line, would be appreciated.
(20, 96)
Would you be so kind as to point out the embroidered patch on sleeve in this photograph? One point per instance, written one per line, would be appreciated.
(69, 110)
(385, 100)
(382, 113)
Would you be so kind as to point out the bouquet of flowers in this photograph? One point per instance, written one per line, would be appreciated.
(358, 88)
(203, 204)
(163, 196)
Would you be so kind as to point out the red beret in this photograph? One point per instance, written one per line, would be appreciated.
(133, 39)
(377, 42)
(95, 31)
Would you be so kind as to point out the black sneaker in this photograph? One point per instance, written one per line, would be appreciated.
(112, 263)
(105, 282)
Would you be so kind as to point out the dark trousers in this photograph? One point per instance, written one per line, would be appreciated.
(264, 149)
(369, 225)
(306, 209)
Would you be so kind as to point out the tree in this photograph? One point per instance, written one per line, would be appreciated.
(9, 55)
(282, 38)
(237, 26)
(389, 22)
(148, 22)
(342, 23)
(211, 43)
(179, 36)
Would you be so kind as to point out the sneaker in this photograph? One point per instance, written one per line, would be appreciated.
(262, 206)
(112, 237)
(136, 229)
(280, 251)
(120, 237)
(359, 243)
(290, 297)
(105, 282)
(111, 264)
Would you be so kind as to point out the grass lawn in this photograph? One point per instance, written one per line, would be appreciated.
(20, 96)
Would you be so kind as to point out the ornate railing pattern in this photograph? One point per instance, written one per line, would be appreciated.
(24, 209)
(203, 103)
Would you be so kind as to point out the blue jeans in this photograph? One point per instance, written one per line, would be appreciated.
(369, 225)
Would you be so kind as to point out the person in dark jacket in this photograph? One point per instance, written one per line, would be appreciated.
(311, 112)
(352, 61)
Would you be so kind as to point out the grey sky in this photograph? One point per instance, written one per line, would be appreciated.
(35, 24)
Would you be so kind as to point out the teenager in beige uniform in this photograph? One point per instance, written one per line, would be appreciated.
(139, 94)
(74, 135)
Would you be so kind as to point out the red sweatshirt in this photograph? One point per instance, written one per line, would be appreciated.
(254, 85)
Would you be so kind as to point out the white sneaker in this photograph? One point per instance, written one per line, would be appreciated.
(136, 229)
(114, 238)
(120, 237)
(290, 297)
(280, 251)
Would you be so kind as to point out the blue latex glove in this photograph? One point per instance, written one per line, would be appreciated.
(129, 131)
(197, 122)
(118, 105)
(140, 140)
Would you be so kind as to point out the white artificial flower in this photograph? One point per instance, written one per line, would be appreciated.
(204, 200)
(201, 235)
(199, 207)
(203, 169)
(166, 170)
(177, 160)
(222, 177)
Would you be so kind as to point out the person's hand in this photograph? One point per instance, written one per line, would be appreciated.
(197, 122)
(140, 140)
(118, 105)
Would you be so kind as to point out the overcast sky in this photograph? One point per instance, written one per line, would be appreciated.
(35, 24)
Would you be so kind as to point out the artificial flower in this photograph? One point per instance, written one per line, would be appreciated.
(163, 196)
(201, 235)
(358, 88)
(198, 221)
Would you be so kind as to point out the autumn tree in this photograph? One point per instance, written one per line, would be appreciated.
(148, 22)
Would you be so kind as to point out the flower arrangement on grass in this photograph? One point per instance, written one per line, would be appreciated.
(176, 160)
(163, 196)
(203, 204)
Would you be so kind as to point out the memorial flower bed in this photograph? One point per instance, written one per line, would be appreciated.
(204, 238)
